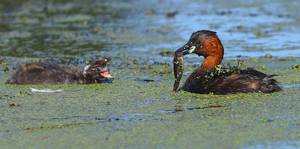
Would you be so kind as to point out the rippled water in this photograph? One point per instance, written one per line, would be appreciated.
(73, 27)
(139, 110)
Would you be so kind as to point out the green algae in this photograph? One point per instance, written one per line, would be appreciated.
(296, 67)
(128, 112)
(132, 112)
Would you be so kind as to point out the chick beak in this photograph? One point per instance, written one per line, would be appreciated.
(105, 74)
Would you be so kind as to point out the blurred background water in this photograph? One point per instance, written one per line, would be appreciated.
(139, 109)
(72, 27)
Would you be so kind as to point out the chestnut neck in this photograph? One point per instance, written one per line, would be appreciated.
(213, 54)
(210, 62)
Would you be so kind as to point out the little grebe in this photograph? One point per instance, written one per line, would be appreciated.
(45, 73)
(210, 77)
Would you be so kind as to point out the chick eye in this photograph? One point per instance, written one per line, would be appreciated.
(98, 69)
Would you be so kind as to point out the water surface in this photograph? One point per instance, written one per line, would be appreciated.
(139, 109)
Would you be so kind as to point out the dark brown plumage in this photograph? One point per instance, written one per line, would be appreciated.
(208, 79)
(45, 73)
(248, 80)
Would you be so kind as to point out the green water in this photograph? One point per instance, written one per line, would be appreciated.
(138, 36)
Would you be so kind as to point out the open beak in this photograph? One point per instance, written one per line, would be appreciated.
(105, 74)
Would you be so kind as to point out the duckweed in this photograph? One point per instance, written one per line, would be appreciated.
(138, 37)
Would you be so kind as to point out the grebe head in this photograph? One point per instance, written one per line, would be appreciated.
(98, 71)
(204, 43)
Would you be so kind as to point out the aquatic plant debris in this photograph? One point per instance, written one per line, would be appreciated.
(104, 115)
(46, 90)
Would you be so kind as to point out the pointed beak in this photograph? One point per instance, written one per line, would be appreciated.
(184, 50)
